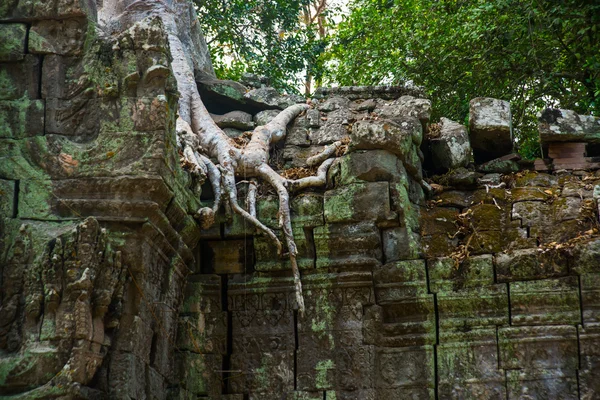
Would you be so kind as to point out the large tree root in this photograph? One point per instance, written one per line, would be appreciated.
(253, 161)
(210, 152)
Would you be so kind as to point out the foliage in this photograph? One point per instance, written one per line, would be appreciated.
(266, 37)
(535, 53)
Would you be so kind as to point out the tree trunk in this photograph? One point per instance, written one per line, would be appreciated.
(201, 139)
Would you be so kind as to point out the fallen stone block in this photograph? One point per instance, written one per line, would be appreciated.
(451, 149)
(490, 128)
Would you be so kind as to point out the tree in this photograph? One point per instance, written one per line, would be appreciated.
(202, 140)
(534, 53)
(280, 39)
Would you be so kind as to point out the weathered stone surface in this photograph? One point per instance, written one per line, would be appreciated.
(543, 384)
(468, 366)
(234, 119)
(452, 148)
(370, 92)
(526, 264)
(369, 202)
(401, 243)
(446, 276)
(473, 308)
(558, 125)
(64, 37)
(405, 372)
(347, 245)
(328, 134)
(503, 165)
(13, 42)
(264, 117)
(545, 302)
(21, 118)
(20, 79)
(405, 106)
(271, 98)
(490, 128)
(371, 166)
(400, 280)
(538, 347)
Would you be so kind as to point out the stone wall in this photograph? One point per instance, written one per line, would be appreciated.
(484, 290)
(96, 233)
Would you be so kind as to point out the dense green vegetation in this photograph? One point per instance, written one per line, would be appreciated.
(281, 39)
(535, 53)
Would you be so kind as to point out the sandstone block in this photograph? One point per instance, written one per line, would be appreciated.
(347, 245)
(490, 128)
(474, 308)
(18, 79)
(468, 366)
(264, 117)
(545, 302)
(368, 166)
(359, 202)
(559, 125)
(401, 243)
(13, 42)
(445, 276)
(21, 118)
(451, 149)
(539, 347)
(405, 106)
(63, 37)
(400, 280)
(328, 134)
(234, 119)
(542, 384)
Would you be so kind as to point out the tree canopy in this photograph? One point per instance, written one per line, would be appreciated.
(280, 39)
(534, 53)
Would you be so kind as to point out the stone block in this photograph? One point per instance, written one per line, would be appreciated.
(267, 258)
(401, 323)
(438, 245)
(451, 149)
(446, 276)
(439, 220)
(468, 366)
(203, 333)
(387, 135)
(488, 217)
(349, 367)
(527, 264)
(235, 119)
(473, 308)
(545, 302)
(267, 372)
(538, 347)
(589, 348)
(202, 295)
(75, 118)
(404, 106)
(407, 369)
(306, 210)
(590, 299)
(298, 132)
(347, 245)
(328, 134)
(400, 280)
(122, 367)
(490, 128)
(135, 336)
(559, 125)
(266, 116)
(542, 384)
(62, 77)
(13, 42)
(7, 198)
(401, 243)
(359, 202)
(368, 166)
(586, 258)
(20, 79)
(21, 118)
(199, 373)
(333, 103)
(227, 256)
(63, 37)
(295, 156)
(36, 200)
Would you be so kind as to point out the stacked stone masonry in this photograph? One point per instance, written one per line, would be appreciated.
(109, 289)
